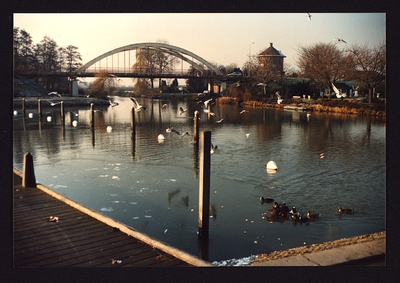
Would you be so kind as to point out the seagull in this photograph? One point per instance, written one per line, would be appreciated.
(209, 112)
(247, 135)
(171, 129)
(213, 149)
(53, 103)
(207, 101)
(308, 16)
(219, 121)
(76, 114)
(279, 97)
(184, 134)
(54, 93)
(113, 104)
(164, 105)
(339, 39)
(243, 111)
(137, 106)
(181, 110)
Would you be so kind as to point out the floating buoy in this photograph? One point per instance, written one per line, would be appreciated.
(48, 118)
(75, 123)
(15, 112)
(271, 166)
(109, 129)
(30, 115)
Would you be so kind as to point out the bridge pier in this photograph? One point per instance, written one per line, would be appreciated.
(73, 87)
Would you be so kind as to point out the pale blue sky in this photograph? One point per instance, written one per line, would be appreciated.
(221, 38)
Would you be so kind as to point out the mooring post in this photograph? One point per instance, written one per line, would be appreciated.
(91, 116)
(204, 184)
(62, 113)
(23, 106)
(39, 104)
(28, 177)
(196, 127)
(133, 126)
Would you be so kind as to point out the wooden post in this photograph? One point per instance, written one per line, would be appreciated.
(204, 184)
(196, 127)
(23, 106)
(92, 123)
(28, 177)
(62, 113)
(39, 108)
(133, 126)
(91, 116)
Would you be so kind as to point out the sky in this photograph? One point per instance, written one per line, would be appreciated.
(221, 38)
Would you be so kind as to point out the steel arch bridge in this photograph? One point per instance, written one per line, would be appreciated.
(202, 66)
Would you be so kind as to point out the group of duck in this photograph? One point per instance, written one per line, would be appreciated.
(282, 210)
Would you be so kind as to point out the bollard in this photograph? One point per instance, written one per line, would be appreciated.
(28, 177)
(39, 108)
(62, 113)
(204, 184)
(196, 127)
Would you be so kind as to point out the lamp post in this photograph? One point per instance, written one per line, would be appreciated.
(250, 57)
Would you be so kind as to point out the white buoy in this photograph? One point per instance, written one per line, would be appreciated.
(75, 123)
(30, 115)
(109, 129)
(271, 166)
(15, 112)
(48, 118)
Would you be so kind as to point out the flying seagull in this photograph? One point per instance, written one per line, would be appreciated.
(53, 103)
(213, 149)
(113, 104)
(181, 110)
(207, 101)
(308, 16)
(137, 106)
(164, 105)
(219, 121)
(209, 112)
(54, 93)
(339, 39)
(172, 130)
(243, 111)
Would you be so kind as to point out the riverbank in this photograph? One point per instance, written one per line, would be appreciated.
(373, 251)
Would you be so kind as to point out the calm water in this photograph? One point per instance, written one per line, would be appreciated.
(153, 187)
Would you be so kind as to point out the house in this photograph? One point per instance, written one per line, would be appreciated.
(272, 61)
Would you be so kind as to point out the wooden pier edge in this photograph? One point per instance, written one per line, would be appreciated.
(182, 255)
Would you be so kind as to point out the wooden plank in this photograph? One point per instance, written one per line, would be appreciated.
(77, 239)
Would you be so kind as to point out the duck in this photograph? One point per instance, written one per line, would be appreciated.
(312, 215)
(266, 200)
(345, 210)
(297, 217)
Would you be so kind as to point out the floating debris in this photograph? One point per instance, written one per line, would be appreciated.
(114, 261)
(106, 209)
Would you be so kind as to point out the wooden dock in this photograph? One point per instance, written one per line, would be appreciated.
(79, 239)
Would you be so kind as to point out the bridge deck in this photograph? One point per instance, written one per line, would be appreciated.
(76, 239)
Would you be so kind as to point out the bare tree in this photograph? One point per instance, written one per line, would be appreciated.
(369, 65)
(324, 63)
(103, 84)
(22, 48)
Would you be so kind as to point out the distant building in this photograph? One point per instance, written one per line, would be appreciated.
(272, 61)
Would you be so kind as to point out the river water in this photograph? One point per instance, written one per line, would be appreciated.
(153, 186)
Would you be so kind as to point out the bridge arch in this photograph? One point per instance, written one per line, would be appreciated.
(173, 50)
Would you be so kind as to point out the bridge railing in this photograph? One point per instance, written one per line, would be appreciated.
(119, 70)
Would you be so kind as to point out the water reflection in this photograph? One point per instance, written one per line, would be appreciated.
(155, 185)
